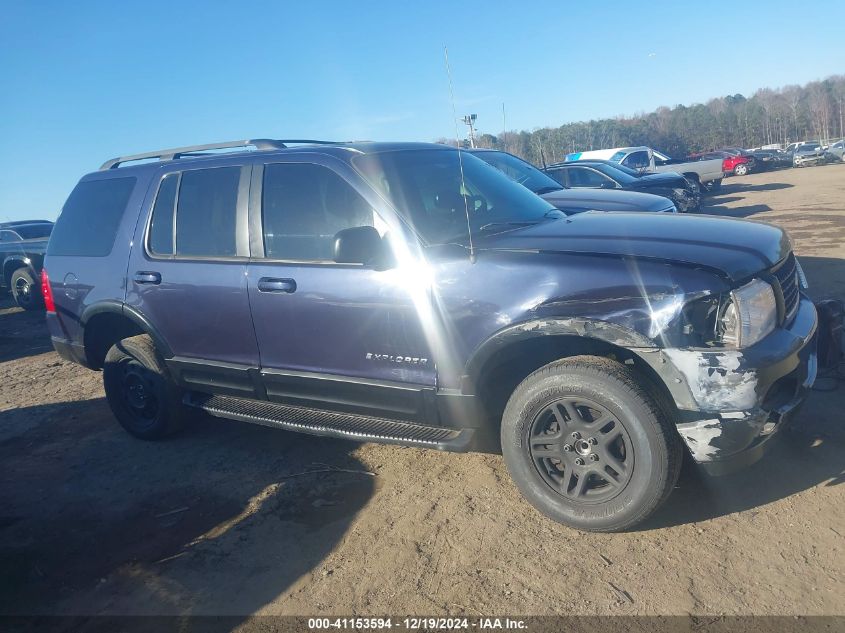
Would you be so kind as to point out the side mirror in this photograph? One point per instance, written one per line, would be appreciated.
(358, 245)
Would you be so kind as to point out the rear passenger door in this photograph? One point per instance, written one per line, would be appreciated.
(187, 276)
(338, 336)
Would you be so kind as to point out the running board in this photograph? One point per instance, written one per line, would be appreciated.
(349, 426)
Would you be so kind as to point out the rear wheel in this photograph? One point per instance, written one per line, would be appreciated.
(740, 170)
(714, 186)
(588, 445)
(25, 290)
(139, 390)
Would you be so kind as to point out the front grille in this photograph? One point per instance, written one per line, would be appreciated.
(787, 275)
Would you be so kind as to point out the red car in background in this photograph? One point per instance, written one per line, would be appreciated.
(732, 164)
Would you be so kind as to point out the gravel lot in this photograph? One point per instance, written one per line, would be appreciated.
(229, 518)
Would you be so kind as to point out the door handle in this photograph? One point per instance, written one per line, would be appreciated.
(147, 277)
(272, 284)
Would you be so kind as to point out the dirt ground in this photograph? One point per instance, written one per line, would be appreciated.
(230, 518)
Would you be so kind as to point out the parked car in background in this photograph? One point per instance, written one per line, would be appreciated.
(703, 174)
(732, 164)
(22, 247)
(570, 200)
(809, 154)
(766, 159)
(408, 293)
(837, 150)
(601, 174)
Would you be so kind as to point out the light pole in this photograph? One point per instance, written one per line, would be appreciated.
(470, 121)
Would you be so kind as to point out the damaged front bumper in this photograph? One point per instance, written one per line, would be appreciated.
(733, 402)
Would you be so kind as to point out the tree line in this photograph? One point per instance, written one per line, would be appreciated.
(814, 111)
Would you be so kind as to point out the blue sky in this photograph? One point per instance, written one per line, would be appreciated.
(85, 81)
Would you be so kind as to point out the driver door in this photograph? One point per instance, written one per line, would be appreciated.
(341, 336)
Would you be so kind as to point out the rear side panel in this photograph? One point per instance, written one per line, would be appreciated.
(80, 281)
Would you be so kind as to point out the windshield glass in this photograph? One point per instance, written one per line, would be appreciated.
(517, 169)
(425, 187)
(620, 173)
(34, 231)
(626, 170)
(618, 156)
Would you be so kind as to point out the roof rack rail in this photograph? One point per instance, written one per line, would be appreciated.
(195, 150)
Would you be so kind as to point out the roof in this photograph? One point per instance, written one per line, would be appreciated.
(10, 225)
(270, 146)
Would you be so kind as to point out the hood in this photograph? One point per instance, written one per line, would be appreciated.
(737, 249)
(578, 200)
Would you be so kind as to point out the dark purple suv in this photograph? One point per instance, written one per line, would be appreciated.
(413, 294)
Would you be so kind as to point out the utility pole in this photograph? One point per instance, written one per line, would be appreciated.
(470, 121)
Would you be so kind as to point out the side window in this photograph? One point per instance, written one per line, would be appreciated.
(636, 160)
(303, 207)
(206, 212)
(161, 235)
(559, 175)
(87, 225)
(583, 177)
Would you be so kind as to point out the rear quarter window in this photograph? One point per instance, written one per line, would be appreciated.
(88, 223)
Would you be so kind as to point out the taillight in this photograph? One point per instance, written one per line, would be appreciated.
(47, 291)
(726, 164)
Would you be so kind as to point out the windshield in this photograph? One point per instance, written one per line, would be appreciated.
(425, 187)
(617, 157)
(518, 170)
(34, 231)
(620, 173)
(626, 170)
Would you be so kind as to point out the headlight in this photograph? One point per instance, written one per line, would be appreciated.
(748, 316)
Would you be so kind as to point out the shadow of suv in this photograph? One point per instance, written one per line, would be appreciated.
(413, 294)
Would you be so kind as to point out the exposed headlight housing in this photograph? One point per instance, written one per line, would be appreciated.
(802, 279)
(748, 316)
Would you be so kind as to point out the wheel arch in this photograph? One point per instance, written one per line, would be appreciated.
(11, 264)
(509, 356)
(107, 322)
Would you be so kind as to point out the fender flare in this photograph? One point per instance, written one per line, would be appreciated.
(24, 262)
(603, 331)
(113, 306)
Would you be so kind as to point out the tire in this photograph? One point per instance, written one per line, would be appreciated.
(695, 185)
(741, 170)
(139, 390)
(26, 291)
(600, 399)
(714, 186)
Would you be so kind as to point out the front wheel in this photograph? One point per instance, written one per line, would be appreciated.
(589, 446)
(139, 390)
(25, 290)
(694, 185)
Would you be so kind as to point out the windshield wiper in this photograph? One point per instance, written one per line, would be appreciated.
(493, 225)
(543, 190)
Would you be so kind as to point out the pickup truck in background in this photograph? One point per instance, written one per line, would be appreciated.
(704, 174)
(22, 246)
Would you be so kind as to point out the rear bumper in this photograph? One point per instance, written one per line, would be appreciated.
(732, 403)
(69, 351)
(66, 348)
